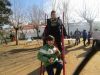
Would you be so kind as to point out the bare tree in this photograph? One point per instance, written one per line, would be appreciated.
(54, 4)
(36, 16)
(16, 19)
(88, 14)
(65, 8)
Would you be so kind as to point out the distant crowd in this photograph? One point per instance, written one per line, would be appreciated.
(81, 34)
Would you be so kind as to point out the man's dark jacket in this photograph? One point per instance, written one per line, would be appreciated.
(55, 30)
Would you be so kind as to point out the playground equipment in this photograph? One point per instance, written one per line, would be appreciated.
(63, 50)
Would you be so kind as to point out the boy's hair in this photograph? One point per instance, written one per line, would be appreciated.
(49, 38)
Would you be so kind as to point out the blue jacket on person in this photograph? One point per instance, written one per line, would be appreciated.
(85, 34)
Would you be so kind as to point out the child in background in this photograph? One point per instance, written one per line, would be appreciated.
(89, 36)
(49, 55)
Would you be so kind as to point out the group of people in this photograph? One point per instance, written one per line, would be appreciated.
(84, 34)
(51, 52)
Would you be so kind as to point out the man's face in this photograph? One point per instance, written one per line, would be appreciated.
(53, 15)
(50, 42)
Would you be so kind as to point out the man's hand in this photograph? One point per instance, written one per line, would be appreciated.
(51, 60)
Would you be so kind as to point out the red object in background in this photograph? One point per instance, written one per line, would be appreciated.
(63, 50)
(41, 69)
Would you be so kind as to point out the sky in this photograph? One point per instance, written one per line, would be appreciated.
(26, 3)
(74, 6)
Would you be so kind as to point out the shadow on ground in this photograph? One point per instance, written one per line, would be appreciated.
(78, 48)
(82, 55)
(21, 50)
(35, 72)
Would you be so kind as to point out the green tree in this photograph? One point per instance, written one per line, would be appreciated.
(5, 11)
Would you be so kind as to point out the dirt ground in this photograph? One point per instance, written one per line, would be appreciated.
(23, 60)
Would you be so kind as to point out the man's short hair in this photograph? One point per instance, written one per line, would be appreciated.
(53, 11)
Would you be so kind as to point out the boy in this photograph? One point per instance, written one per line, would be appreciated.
(49, 54)
(89, 36)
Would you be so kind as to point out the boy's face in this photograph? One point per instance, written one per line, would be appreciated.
(50, 42)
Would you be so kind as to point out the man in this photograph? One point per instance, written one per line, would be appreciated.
(77, 36)
(89, 36)
(54, 28)
(84, 37)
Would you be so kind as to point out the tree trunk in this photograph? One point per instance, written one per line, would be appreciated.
(16, 31)
(68, 29)
(90, 23)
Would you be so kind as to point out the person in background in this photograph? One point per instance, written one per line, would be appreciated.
(49, 55)
(84, 37)
(77, 35)
(89, 36)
